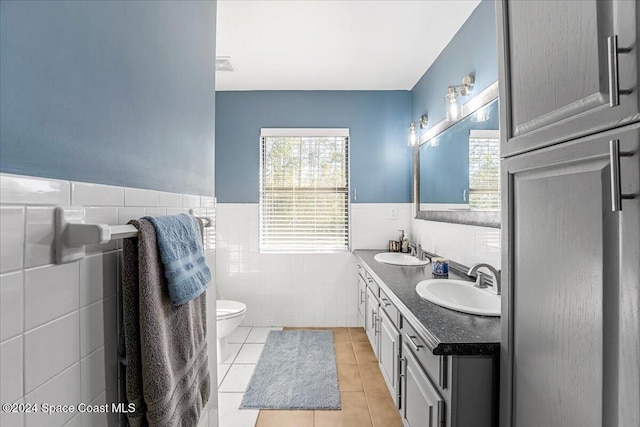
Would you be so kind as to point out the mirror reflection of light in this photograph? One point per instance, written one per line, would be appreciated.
(482, 115)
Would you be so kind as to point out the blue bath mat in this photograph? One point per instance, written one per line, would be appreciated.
(296, 370)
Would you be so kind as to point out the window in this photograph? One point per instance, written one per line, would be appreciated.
(304, 190)
(484, 169)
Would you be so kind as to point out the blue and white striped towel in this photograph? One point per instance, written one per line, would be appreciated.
(180, 245)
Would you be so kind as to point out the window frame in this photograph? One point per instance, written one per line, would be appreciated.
(302, 133)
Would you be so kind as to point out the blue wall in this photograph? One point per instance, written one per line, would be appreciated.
(110, 92)
(378, 122)
(473, 50)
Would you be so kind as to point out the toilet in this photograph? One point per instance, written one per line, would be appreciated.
(229, 315)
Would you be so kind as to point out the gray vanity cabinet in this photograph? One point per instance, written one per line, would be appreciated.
(558, 79)
(420, 403)
(570, 285)
(429, 389)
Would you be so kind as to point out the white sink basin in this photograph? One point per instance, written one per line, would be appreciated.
(460, 295)
(397, 258)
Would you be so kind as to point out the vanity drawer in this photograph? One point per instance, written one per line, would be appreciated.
(389, 308)
(361, 271)
(435, 366)
(371, 284)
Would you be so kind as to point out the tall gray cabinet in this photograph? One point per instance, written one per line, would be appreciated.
(570, 131)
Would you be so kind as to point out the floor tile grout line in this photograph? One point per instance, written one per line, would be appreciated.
(366, 397)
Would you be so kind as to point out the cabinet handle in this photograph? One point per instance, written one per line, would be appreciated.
(614, 157)
(616, 187)
(415, 345)
(402, 393)
(375, 324)
(385, 302)
(361, 296)
(401, 362)
(614, 85)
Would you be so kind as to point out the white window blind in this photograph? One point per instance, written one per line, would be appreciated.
(304, 190)
(484, 169)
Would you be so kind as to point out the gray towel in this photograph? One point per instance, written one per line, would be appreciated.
(167, 376)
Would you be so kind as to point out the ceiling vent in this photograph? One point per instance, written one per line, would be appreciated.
(223, 63)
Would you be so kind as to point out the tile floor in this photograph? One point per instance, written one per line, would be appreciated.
(365, 399)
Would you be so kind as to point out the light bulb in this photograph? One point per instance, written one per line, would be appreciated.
(452, 104)
(413, 135)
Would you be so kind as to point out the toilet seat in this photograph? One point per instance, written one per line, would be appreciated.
(226, 309)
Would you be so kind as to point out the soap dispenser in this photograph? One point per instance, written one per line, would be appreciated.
(404, 242)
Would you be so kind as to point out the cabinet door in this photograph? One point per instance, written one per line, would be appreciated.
(570, 293)
(388, 352)
(422, 405)
(555, 70)
(371, 327)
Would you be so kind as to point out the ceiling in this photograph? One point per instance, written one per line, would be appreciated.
(333, 45)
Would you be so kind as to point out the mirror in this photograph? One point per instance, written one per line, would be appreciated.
(457, 166)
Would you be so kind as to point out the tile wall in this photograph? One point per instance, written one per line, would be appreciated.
(300, 289)
(466, 244)
(59, 323)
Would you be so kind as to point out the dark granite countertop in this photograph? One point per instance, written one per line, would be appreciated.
(447, 332)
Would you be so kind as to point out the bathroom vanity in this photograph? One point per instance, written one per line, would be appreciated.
(441, 366)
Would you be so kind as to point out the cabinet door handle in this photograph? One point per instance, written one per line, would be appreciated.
(402, 386)
(411, 340)
(375, 324)
(614, 157)
(614, 85)
(616, 186)
(361, 296)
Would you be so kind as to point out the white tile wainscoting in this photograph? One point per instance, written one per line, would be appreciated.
(466, 244)
(59, 323)
(297, 289)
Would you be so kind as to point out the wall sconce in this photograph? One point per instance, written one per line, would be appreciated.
(413, 130)
(452, 102)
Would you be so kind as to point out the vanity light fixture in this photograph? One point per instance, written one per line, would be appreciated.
(413, 130)
(452, 102)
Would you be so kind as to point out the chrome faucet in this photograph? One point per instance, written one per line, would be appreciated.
(413, 249)
(480, 279)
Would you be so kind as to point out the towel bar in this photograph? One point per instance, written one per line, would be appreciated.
(72, 234)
